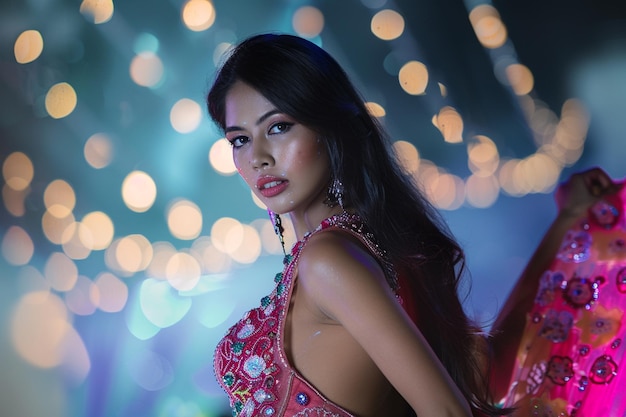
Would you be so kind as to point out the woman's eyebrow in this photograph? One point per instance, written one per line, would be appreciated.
(258, 122)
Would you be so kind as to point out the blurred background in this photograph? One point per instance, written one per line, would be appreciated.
(128, 243)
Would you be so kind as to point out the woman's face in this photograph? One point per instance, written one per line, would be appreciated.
(281, 160)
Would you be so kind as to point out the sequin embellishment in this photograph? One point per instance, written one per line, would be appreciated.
(603, 370)
(302, 398)
(576, 247)
(605, 214)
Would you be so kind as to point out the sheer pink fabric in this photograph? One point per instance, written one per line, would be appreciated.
(571, 359)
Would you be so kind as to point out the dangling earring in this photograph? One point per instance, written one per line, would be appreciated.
(334, 194)
(278, 228)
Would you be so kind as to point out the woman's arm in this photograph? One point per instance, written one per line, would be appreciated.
(349, 286)
(574, 198)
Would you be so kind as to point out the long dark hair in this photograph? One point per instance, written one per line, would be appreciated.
(305, 82)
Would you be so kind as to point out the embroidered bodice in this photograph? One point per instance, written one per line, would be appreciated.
(571, 359)
(250, 362)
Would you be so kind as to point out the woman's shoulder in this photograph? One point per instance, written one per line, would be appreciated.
(335, 265)
(335, 251)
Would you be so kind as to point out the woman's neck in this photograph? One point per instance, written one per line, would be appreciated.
(306, 222)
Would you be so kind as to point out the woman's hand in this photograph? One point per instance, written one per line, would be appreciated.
(583, 189)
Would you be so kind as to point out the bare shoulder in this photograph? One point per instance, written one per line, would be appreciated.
(334, 266)
(334, 253)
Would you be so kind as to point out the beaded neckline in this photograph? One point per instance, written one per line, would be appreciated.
(353, 222)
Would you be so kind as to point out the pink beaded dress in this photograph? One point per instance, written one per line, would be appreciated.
(250, 362)
(571, 358)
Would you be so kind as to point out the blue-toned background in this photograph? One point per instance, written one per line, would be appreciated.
(128, 245)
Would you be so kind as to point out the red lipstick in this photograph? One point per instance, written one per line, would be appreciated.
(271, 186)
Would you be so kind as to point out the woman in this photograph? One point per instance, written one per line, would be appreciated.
(365, 318)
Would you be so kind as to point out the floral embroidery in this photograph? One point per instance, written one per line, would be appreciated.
(560, 369)
(254, 366)
(228, 379)
(262, 395)
(581, 292)
(556, 325)
(605, 214)
(246, 331)
(549, 283)
(600, 326)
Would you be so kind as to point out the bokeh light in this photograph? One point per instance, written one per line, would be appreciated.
(185, 115)
(98, 150)
(183, 271)
(146, 69)
(77, 241)
(198, 15)
(61, 100)
(97, 230)
(28, 46)
(450, 124)
(375, 109)
(139, 191)
(17, 246)
(249, 252)
(481, 191)
(520, 78)
(221, 157)
(61, 272)
(387, 24)
(14, 200)
(308, 21)
(184, 220)
(39, 327)
(97, 11)
(483, 156)
(131, 254)
(210, 259)
(109, 293)
(408, 156)
(59, 198)
(413, 77)
(78, 299)
(488, 26)
(18, 171)
(227, 234)
(447, 191)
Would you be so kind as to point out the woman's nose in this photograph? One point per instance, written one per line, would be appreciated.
(261, 155)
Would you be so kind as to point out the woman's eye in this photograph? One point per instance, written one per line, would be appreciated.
(238, 141)
(280, 127)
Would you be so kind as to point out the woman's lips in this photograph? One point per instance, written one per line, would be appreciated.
(270, 187)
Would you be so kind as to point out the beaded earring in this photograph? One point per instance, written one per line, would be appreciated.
(278, 228)
(334, 194)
